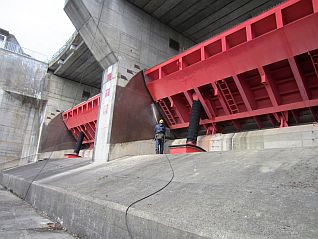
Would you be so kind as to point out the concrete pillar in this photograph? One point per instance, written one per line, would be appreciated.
(105, 114)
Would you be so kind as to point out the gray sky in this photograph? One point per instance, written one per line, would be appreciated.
(39, 25)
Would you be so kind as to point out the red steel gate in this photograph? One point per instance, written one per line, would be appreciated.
(264, 69)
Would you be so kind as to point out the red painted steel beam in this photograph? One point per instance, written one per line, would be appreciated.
(276, 116)
(313, 114)
(87, 132)
(315, 5)
(241, 58)
(220, 97)
(283, 119)
(247, 97)
(92, 131)
(258, 122)
(272, 37)
(188, 97)
(270, 86)
(177, 109)
(281, 108)
(264, 43)
(245, 93)
(299, 79)
(250, 114)
(271, 120)
(236, 125)
(80, 117)
(211, 107)
(295, 115)
(166, 111)
(207, 108)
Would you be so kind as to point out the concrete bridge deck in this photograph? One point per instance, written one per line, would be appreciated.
(269, 193)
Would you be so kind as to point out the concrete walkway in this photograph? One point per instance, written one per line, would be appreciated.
(19, 220)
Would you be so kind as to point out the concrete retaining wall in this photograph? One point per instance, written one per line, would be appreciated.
(29, 99)
(141, 147)
(62, 94)
(290, 137)
(85, 153)
(21, 105)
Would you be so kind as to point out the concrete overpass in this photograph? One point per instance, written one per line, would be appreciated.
(75, 62)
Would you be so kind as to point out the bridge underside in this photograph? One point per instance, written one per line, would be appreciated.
(262, 72)
(200, 20)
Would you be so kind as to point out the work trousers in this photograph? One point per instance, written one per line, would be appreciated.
(159, 146)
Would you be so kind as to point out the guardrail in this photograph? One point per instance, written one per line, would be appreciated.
(62, 49)
(16, 48)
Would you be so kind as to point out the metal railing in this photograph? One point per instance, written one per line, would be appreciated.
(16, 48)
(13, 47)
(63, 48)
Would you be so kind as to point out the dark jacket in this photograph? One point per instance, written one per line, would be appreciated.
(160, 128)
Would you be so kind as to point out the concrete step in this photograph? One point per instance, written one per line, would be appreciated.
(269, 193)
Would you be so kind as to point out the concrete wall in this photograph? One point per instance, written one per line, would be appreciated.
(21, 87)
(59, 154)
(62, 94)
(21, 75)
(289, 137)
(140, 147)
(19, 118)
(125, 34)
(29, 99)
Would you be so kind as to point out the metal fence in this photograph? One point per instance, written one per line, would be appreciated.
(63, 48)
(16, 48)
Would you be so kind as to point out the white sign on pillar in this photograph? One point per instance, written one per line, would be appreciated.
(105, 115)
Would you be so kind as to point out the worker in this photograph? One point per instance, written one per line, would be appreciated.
(160, 133)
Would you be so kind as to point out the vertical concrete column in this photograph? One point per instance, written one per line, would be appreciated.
(105, 114)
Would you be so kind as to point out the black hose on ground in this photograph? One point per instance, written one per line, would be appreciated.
(194, 122)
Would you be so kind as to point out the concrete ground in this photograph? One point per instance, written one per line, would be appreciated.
(269, 193)
(19, 220)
